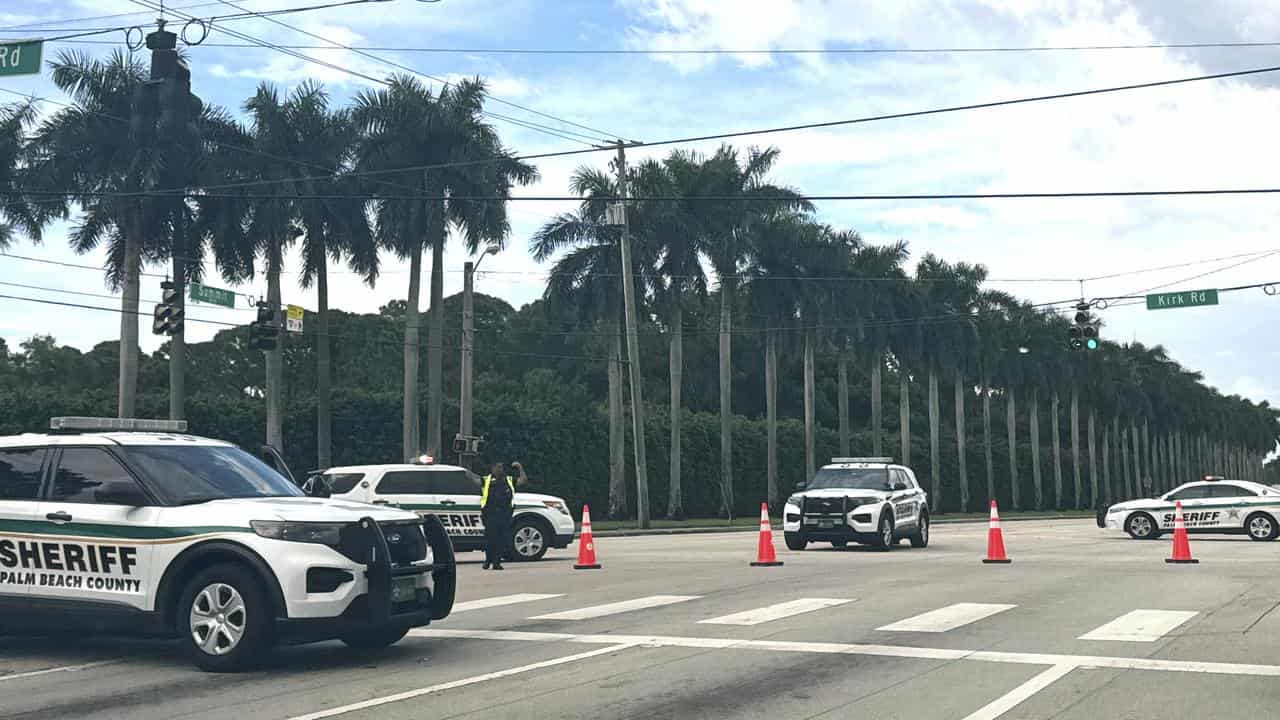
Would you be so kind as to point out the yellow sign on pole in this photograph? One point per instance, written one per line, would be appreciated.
(293, 318)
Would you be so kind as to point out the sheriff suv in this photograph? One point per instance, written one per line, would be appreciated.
(136, 526)
(866, 500)
(451, 494)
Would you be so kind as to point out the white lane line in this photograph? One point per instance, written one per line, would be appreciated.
(1140, 626)
(441, 687)
(776, 612)
(65, 668)
(596, 611)
(947, 618)
(501, 600)
(1011, 699)
(901, 651)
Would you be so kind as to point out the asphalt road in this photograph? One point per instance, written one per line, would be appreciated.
(1083, 625)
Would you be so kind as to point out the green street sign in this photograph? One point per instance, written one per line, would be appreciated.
(212, 295)
(21, 57)
(1186, 298)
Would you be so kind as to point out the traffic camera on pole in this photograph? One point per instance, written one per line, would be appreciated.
(167, 317)
(264, 332)
(1083, 334)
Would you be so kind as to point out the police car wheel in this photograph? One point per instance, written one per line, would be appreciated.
(795, 541)
(1261, 527)
(884, 534)
(920, 538)
(1142, 526)
(375, 639)
(529, 540)
(223, 619)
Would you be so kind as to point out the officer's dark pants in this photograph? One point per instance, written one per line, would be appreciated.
(497, 535)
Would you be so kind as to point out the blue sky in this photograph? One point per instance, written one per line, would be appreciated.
(1201, 135)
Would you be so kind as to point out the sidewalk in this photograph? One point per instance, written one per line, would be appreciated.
(695, 526)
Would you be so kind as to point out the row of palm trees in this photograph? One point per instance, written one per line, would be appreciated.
(403, 166)
(825, 290)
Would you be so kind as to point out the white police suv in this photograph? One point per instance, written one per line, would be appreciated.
(451, 494)
(135, 526)
(867, 500)
(1212, 505)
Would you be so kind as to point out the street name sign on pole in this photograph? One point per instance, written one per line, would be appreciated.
(293, 318)
(1185, 298)
(20, 57)
(212, 295)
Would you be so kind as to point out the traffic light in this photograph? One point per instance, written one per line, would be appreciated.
(167, 317)
(264, 332)
(1083, 334)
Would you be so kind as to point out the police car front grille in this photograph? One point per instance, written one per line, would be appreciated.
(404, 539)
(833, 506)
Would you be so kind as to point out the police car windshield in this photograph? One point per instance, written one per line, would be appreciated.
(850, 479)
(188, 474)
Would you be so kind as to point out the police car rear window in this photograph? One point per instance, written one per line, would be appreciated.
(20, 473)
(415, 482)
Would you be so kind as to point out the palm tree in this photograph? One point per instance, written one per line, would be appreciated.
(585, 277)
(726, 227)
(438, 144)
(17, 214)
(88, 147)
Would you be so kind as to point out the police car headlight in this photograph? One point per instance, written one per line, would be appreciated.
(307, 532)
(556, 505)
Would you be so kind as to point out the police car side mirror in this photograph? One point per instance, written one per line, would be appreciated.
(899, 485)
(799, 486)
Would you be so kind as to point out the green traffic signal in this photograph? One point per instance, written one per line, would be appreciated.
(1091, 344)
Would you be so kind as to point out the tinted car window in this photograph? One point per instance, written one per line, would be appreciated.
(189, 474)
(404, 482)
(850, 478)
(453, 482)
(1228, 490)
(90, 475)
(343, 482)
(20, 473)
(1191, 493)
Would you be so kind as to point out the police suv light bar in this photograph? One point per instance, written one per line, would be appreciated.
(424, 460)
(1210, 478)
(862, 460)
(102, 424)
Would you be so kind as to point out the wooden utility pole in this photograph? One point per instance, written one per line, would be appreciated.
(633, 346)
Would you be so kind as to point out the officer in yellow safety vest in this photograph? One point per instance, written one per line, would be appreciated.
(497, 501)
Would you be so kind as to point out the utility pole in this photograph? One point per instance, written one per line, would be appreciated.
(633, 345)
(468, 354)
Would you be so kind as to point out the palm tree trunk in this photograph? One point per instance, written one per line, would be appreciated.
(1108, 495)
(178, 342)
(1127, 460)
(877, 409)
(1035, 448)
(726, 399)
(904, 415)
(935, 489)
(771, 410)
(1149, 457)
(412, 354)
(1093, 458)
(675, 503)
(1122, 492)
(128, 381)
(1136, 453)
(435, 333)
(1011, 419)
(960, 442)
(324, 379)
(986, 438)
(810, 456)
(617, 468)
(275, 358)
(842, 399)
(1057, 451)
(1075, 447)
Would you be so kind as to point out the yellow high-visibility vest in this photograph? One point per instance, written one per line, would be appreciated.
(484, 490)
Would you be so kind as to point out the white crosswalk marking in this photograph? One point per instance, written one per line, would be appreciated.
(596, 611)
(1140, 626)
(775, 612)
(501, 600)
(947, 618)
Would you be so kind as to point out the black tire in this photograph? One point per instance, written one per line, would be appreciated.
(530, 538)
(795, 541)
(885, 539)
(839, 543)
(376, 638)
(1261, 527)
(216, 604)
(920, 536)
(1142, 526)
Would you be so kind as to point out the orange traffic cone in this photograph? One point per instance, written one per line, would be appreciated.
(995, 539)
(1181, 545)
(586, 546)
(764, 549)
